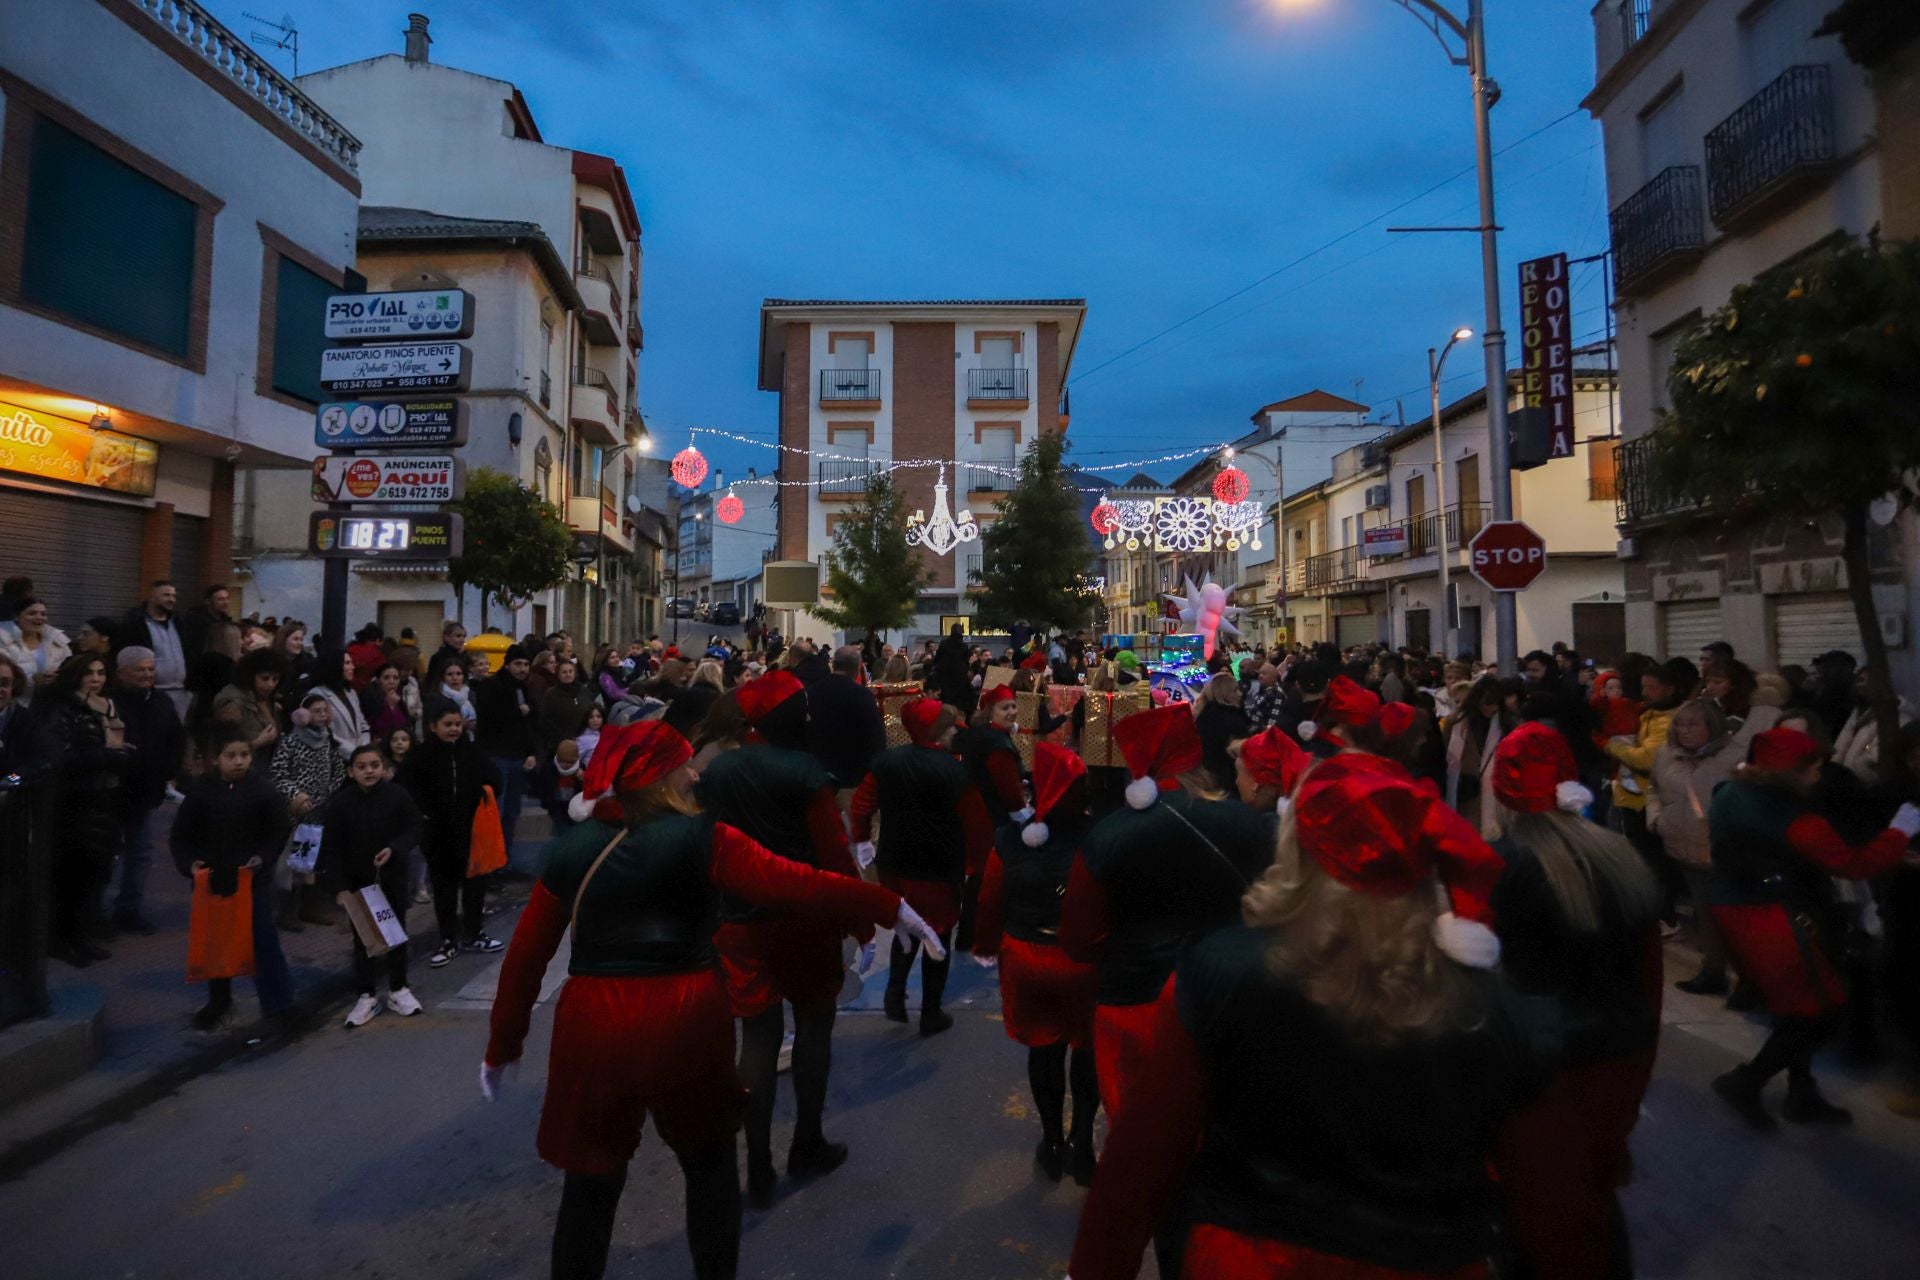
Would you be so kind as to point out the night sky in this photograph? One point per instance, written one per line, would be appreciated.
(1151, 158)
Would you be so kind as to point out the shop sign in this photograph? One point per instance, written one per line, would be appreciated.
(1672, 588)
(411, 366)
(391, 424)
(1385, 540)
(1546, 348)
(55, 449)
(423, 313)
(1801, 577)
(412, 535)
(388, 478)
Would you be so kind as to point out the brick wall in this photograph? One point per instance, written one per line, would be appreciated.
(1897, 94)
(795, 387)
(156, 545)
(923, 400)
(1046, 372)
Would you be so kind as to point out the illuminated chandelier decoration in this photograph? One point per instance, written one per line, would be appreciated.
(689, 468)
(1231, 485)
(943, 533)
(1237, 522)
(1132, 518)
(729, 509)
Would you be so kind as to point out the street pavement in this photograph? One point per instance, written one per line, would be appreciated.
(369, 1153)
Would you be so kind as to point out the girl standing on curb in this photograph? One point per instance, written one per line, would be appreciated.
(446, 775)
(372, 825)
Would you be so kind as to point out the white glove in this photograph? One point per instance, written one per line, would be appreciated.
(493, 1079)
(863, 853)
(919, 931)
(866, 957)
(985, 962)
(1020, 815)
(1907, 821)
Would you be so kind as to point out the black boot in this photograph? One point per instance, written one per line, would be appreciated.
(1804, 1104)
(1047, 1077)
(1740, 1089)
(899, 961)
(933, 985)
(761, 1179)
(1050, 1157)
(1086, 1105)
(811, 1159)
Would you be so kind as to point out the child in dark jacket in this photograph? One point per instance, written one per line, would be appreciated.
(445, 774)
(230, 819)
(372, 825)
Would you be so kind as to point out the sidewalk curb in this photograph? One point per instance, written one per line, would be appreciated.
(21, 1156)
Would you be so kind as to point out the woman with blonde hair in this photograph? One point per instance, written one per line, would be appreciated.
(897, 670)
(1325, 1081)
(1579, 924)
(643, 1026)
(1221, 719)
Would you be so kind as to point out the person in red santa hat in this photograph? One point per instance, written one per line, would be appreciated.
(1266, 768)
(1579, 923)
(1774, 862)
(1324, 1082)
(761, 779)
(933, 815)
(1046, 996)
(1354, 717)
(643, 1026)
(993, 763)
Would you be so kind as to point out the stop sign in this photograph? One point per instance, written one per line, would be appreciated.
(1507, 555)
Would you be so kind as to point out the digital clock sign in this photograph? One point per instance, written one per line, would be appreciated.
(423, 535)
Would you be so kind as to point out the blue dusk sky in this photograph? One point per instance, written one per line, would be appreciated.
(1153, 158)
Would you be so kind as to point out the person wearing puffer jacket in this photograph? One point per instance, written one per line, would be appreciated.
(1664, 689)
(1857, 745)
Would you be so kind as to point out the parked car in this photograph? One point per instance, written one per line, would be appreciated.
(680, 607)
(725, 614)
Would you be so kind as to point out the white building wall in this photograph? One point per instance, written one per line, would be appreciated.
(819, 542)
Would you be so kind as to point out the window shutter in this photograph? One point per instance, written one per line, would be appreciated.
(299, 307)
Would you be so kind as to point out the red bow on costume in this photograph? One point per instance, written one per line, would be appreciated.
(1347, 704)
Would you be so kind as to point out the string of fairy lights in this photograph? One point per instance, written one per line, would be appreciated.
(1177, 523)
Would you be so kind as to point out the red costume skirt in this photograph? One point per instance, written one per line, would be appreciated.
(1216, 1251)
(1560, 1161)
(1046, 997)
(1123, 1044)
(789, 959)
(937, 901)
(626, 1048)
(1791, 974)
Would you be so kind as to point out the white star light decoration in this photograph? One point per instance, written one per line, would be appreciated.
(1182, 524)
(943, 533)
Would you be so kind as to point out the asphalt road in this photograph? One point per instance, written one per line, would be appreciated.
(369, 1154)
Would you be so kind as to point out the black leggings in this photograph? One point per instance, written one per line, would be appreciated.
(1047, 1076)
(760, 1039)
(1790, 1048)
(933, 973)
(583, 1230)
(456, 894)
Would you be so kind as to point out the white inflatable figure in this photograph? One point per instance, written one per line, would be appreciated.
(1206, 612)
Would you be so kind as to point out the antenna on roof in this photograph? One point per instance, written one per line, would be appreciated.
(288, 39)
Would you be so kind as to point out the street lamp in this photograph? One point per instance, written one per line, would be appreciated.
(1472, 34)
(1437, 361)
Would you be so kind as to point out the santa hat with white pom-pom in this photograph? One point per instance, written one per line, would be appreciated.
(1159, 745)
(1055, 770)
(1534, 772)
(629, 757)
(1274, 761)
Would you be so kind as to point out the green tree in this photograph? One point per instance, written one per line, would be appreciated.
(1034, 555)
(1801, 396)
(875, 577)
(516, 542)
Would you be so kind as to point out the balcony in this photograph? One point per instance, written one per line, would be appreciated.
(1772, 149)
(985, 477)
(595, 409)
(1329, 573)
(546, 390)
(996, 388)
(850, 388)
(1658, 230)
(844, 481)
(1424, 531)
(973, 566)
(601, 295)
(1641, 497)
(636, 335)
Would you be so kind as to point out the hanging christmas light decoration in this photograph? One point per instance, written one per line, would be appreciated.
(1133, 518)
(1182, 524)
(1231, 485)
(1105, 519)
(1237, 522)
(689, 468)
(729, 509)
(943, 533)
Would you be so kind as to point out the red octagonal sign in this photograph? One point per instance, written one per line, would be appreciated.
(1507, 555)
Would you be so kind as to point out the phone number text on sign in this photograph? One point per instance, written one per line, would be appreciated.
(388, 479)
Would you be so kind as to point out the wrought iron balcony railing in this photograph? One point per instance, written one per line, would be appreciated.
(1640, 495)
(845, 479)
(997, 384)
(988, 477)
(849, 384)
(1658, 228)
(1780, 138)
(1326, 573)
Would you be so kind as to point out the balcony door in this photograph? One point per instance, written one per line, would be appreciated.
(1665, 139)
(849, 352)
(998, 353)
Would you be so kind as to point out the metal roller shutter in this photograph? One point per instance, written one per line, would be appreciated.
(83, 557)
(1805, 627)
(1689, 627)
(1355, 628)
(184, 566)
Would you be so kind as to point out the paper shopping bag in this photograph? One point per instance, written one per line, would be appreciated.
(303, 848)
(488, 851)
(374, 919)
(220, 930)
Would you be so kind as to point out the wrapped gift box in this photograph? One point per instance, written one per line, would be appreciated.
(1030, 708)
(891, 698)
(1104, 710)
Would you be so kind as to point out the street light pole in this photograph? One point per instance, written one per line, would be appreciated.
(1436, 361)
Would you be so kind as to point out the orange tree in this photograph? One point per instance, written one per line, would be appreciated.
(1801, 396)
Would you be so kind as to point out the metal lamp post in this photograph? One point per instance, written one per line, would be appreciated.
(1471, 33)
(1436, 361)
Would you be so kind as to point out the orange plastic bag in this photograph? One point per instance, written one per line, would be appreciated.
(487, 851)
(220, 931)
